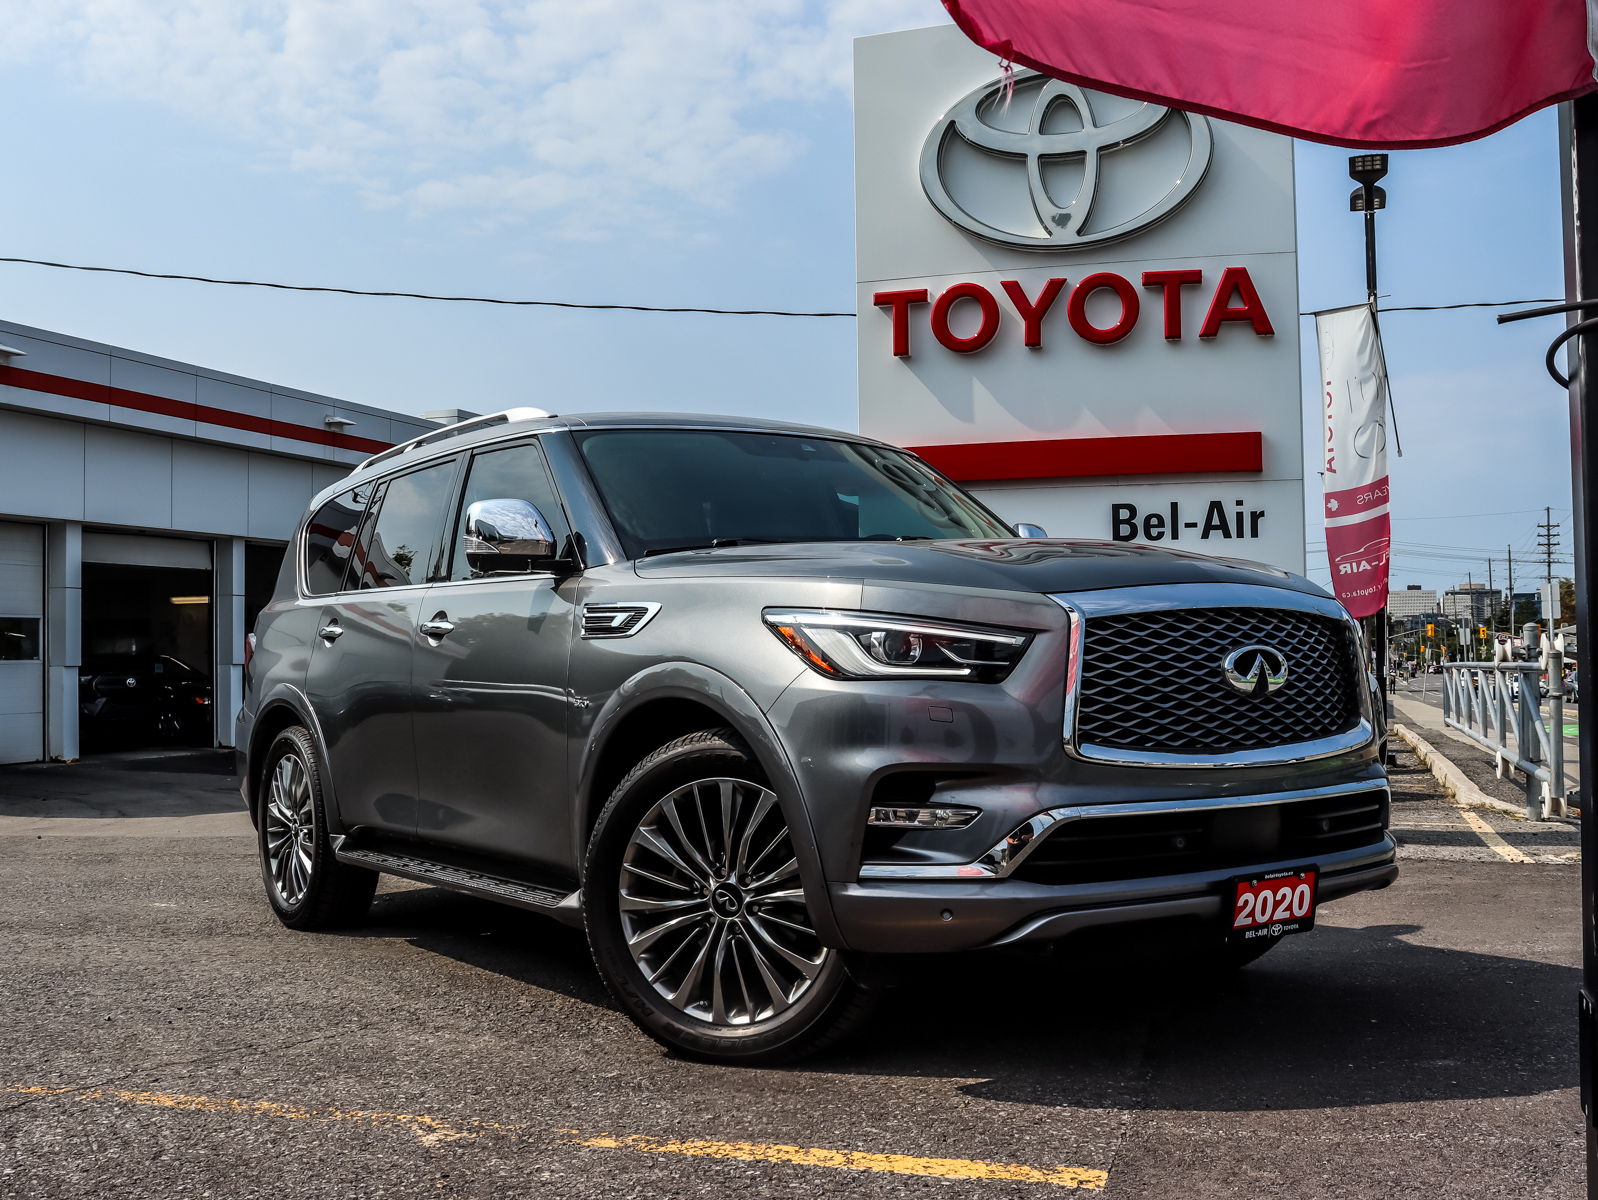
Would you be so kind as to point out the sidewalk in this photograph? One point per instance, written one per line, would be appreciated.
(1474, 763)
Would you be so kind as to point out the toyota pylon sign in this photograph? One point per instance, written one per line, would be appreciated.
(1085, 308)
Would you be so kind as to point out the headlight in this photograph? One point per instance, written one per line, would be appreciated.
(856, 645)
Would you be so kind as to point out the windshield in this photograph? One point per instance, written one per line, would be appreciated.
(674, 489)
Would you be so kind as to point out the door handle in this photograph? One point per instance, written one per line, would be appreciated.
(439, 626)
(330, 632)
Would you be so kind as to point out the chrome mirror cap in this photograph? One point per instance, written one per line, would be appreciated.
(506, 535)
(1030, 531)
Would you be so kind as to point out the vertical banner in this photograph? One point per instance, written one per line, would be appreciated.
(1354, 416)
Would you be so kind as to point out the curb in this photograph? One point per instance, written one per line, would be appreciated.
(1461, 789)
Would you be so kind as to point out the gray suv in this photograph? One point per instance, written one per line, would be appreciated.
(761, 706)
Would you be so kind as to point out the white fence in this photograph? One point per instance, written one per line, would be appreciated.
(1490, 702)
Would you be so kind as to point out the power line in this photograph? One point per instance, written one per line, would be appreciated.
(723, 312)
(1447, 307)
(343, 291)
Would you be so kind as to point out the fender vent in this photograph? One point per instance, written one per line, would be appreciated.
(617, 620)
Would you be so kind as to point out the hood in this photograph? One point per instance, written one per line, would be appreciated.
(1014, 565)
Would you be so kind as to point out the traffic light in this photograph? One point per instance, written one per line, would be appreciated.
(1431, 631)
(1481, 632)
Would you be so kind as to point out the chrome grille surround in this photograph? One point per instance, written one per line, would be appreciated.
(1160, 679)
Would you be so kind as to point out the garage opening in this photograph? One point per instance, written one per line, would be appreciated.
(147, 643)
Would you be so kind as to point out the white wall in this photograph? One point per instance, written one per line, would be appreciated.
(22, 682)
(66, 470)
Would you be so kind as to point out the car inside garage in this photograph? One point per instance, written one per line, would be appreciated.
(147, 671)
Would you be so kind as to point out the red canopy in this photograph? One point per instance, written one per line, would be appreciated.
(1394, 74)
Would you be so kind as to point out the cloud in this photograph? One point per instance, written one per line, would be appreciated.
(579, 111)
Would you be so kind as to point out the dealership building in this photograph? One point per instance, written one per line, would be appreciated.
(144, 508)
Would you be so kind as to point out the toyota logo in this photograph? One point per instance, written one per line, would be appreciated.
(1255, 670)
(1049, 157)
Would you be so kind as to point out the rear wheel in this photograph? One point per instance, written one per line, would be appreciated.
(696, 911)
(307, 886)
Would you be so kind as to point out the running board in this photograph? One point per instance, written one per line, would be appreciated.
(564, 907)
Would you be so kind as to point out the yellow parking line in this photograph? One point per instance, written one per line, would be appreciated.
(431, 1131)
(428, 1130)
(849, 1160)
(1487, 834)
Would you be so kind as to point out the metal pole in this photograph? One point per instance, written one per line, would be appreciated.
(1556, 731)
(1379, 641)
(1578, 130)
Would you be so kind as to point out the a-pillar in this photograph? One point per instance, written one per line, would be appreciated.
(63, 642)
(227, 626)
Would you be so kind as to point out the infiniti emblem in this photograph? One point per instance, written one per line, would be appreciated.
(1059, 226)
(726, 900)
(1255, 670)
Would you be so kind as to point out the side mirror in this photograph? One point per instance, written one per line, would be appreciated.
(506, 535)
(1030, 531)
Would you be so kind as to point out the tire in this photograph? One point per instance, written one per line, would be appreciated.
(719, 921)
(307, 887)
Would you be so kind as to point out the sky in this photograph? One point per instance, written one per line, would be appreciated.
(696, 154)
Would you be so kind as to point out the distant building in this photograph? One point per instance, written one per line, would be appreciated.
(1413, 601)
(1471, 602)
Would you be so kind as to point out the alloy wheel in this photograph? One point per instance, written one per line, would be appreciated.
(712, 909)
(290, 830)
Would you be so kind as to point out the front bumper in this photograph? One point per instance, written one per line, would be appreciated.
(905, 916)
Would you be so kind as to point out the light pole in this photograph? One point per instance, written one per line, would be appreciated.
(1366, 170)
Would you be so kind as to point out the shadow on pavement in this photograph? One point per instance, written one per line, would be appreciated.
(1339, 1017)
(518, 945)
(165, 783)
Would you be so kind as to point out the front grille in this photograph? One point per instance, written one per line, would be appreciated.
(1147, 845)
(1154, 681)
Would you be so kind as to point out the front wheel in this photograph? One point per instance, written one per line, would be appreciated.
(696, 911)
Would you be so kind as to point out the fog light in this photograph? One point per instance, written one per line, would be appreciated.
(950, 817)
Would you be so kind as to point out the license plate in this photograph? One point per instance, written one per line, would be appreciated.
(1273, 904)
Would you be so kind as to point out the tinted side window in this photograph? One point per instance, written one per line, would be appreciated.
(329, 535)
(400, 543)
(514, 473)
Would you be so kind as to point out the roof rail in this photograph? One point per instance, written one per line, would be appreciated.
(503, 417)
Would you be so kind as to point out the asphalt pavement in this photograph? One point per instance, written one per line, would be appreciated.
(166, 1037)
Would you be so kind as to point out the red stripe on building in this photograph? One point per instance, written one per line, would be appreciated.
(1074, 458)
(100, 393)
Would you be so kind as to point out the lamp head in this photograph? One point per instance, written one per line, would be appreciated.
(1367, 168)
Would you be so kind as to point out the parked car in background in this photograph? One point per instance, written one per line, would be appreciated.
(126, 699)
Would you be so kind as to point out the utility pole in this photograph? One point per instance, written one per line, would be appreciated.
(1366, 170)
(1492, 605)
(1509, 552)
(1548, 541)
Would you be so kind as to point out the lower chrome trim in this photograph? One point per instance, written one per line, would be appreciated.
(1271, 756)
(1003, 858)
(1056, 925)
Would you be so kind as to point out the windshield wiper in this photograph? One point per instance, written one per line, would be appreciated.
(717, 544)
